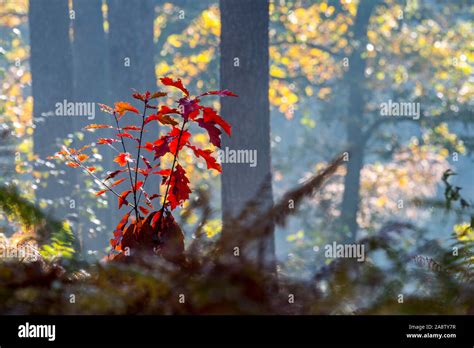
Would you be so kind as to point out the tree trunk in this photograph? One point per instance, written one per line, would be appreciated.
(90, 55)
(51, 69)
(355, 78)
(131, 51)
(244, 70)
(131, 47)
(91, 86)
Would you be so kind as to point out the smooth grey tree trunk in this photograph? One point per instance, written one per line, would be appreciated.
(244, 70)
(51, 69)
(355, 78)
(131, 40)
(91, 86)
(90, 55)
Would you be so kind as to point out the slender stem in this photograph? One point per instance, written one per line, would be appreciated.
(128, 166)
(141, 189)
(171, 174)
(113, 148)
(138, 158)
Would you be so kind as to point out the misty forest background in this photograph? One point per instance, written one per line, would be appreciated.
(311, 78)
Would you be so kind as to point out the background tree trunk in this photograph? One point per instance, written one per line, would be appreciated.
(51, 69)
(244, 70)
(355, 78)
(91, 86)
(131, 36)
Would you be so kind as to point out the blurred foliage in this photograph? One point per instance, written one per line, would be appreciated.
(56, 237)
(219, 286)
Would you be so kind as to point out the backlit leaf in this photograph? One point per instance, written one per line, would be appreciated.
(206, 155)
(122, 107)
(167, 81)
(97, 126)
(123, 158)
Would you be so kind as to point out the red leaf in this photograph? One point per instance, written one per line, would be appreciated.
(72, 164)
(91, 169)
(138, 186)
(189, 108)
(133, 128)
(144, 172)
(158, 95)
(139, 96)
(212, 130)
(82, 157)
(114, 174)
(143, 97)
(148, 169)
(192, 115)
(163, 119)
(147, 199)
(210, 115)
(122, 199)
(147, 162)
(117, 182)
(148, 146)
(152, 117)
(123, 222)
(167, 81)
(156, 216)
(179, 187)
(222, 93)
(206, 154)
(122, 107)
(101, 192)
(144, 210)
(97, 126)
(173, 145)
(123, 158)
(119, 231)
(103, 141)
(161, 147)
(163, 172)
(127, 135)
(106, 108)
(148, 96)
(165, 110)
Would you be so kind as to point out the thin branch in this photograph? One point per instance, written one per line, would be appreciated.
(142, 190)
(128, 165)
(138, 159)
(97, 179)
(446, 117)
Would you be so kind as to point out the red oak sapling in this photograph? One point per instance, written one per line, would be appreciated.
(144, 228)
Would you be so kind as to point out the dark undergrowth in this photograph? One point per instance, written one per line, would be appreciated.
(426, 280)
